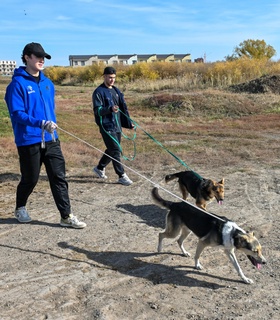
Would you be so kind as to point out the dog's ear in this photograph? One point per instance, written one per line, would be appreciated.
(222, 181)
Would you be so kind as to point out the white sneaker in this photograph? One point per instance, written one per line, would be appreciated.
(100, 173)
(73, 222)
(125, 180)
(22, 215)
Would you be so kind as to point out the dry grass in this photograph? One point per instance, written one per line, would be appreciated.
(199, 127)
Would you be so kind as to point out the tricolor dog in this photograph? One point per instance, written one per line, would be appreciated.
(212, 230)
(201, 189)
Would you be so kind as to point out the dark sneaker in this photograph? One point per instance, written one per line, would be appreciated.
(22, 215)
(125, 180)
(99, 173)
(72, 222)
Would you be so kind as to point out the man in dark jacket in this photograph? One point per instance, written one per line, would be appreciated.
(31, 103)
(107, 101)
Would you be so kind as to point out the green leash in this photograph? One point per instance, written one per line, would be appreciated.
(162, 146)
(126, 137)
(136, 125)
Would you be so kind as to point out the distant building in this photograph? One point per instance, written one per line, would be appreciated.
(7, 67)
(80, 60)
(125, 59)
(146, 57)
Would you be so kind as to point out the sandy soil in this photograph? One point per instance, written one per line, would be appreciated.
(110, 270)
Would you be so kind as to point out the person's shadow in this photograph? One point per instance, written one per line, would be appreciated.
(34, 222)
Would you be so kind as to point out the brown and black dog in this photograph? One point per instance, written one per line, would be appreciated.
(212, 230)
(201, 189)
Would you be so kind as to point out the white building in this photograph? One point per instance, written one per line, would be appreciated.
(7, 67)
(87, 60)
(125, 59)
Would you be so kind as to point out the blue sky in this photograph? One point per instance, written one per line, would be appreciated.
(211, 28)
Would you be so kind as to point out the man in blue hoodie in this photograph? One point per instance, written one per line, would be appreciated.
(31, 103)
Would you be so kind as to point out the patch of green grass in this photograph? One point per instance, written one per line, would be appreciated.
(5, 123)
(275, 108)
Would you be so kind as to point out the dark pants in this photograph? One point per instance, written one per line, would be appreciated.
(112, 150)
(31, 158)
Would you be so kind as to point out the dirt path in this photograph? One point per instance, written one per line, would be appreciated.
(111, 270)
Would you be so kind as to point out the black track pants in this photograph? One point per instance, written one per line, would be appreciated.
(31, 158)
(112, 150)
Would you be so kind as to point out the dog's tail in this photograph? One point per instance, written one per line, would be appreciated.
(173, 176)
(158, 199)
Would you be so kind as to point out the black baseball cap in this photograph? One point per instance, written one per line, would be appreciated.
(109, 70)
(36, 49)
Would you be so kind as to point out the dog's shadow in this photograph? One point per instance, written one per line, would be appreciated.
(134, 264)
(151, 214)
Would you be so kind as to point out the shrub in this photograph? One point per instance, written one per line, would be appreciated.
(200, 75)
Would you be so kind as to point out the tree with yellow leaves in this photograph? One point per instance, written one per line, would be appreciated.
(252, 49)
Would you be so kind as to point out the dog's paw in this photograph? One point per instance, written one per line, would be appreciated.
(186, 253)
(247, 280)
(198, 266)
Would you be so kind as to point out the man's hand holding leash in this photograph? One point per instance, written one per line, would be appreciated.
(115, 109)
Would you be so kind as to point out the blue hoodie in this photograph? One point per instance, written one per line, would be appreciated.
(30, 103)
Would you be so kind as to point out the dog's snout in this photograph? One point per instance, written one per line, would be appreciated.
(264, 260)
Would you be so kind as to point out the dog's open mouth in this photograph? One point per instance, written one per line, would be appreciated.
(255, 262)
(220, 202)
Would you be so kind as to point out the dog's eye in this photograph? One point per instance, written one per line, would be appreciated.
(250, 247)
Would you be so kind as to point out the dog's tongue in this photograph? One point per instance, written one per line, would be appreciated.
(220, 202)
(258, 266)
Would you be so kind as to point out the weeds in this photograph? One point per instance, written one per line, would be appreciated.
(183, 76)
(198, 126)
